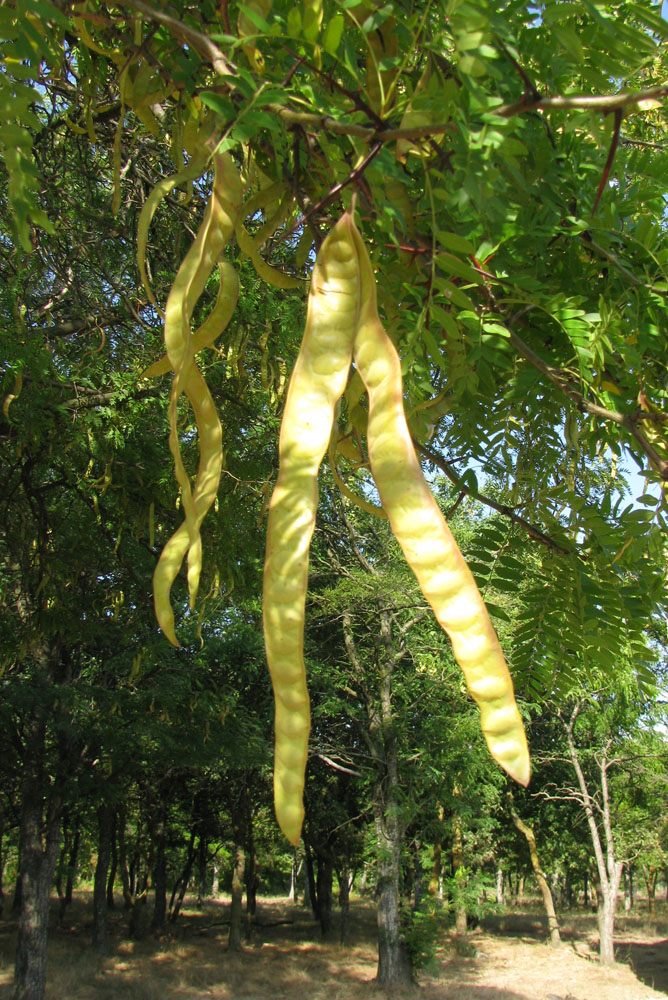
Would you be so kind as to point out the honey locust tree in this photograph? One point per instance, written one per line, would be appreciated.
(509, 166)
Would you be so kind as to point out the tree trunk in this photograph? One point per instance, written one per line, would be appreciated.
(499, 886)
(606, 917)
(651, 876)
(418, 876)
(2, 869)
(105, 817)
(364, 879)
(181, 883)
(294, 875)
(311, 894)
(238, 870)
(202, 864)
(113, 865)
(609, 870)
(159, 834)
(38, 853)
(458, 870)
(324, 890)
(251, 879)
(548, 901)
(394, 970)
(343, 876)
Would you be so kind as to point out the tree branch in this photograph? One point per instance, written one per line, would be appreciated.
(564, 381)
(501, 508)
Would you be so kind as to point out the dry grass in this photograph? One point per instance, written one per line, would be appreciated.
(287, 960)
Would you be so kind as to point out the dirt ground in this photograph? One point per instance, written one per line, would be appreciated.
(287, 960)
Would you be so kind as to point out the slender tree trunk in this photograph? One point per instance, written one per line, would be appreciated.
(458, 868)
(499, 886)
(608, 868)
(181, 884)
(238, 871)
(343, 876)
(548, 901)
(105, 816)
(72, 863)
(311, 895)
(294, 875)
(418, 876)
(651, 876)
(394, 970)
(324, 889)
(251, 878)
(364, 879)
(202, 864)
(159, 833)
(38, 853)
(2, 869)
(113, 865)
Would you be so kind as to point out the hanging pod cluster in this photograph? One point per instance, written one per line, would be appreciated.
(216, 230)
(343, 326)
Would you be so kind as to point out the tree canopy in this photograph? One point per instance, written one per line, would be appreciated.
(506, 163)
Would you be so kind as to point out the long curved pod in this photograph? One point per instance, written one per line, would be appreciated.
(317, 383)
(427, 543)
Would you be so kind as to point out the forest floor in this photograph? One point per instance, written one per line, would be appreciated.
(287, 960)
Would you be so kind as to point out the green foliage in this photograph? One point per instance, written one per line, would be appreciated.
(422, 932)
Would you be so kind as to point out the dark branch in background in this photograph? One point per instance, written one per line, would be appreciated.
(610, 159)
(101, 398)
(531, 529)
(336, 190)
(202, 44)
(617, 264)
(627, 141)
(565, 381)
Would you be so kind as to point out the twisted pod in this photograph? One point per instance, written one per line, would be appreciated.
(343, 322)
(215, 231)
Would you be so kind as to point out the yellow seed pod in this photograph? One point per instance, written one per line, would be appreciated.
(317, 383)
(427, 543)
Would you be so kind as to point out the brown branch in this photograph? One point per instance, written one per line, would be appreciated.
(202, 44)
(585, 102)
(336, 190)
(531, 529)
(564, 381)
(610, 159)
(100, 398)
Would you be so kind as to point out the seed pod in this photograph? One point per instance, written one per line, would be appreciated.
(427, 542)
(215, 231)
(317, 383)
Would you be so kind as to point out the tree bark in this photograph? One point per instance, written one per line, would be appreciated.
(324, 890)
(608, 868)
(343, 876)
(394, 969)
(38, 853)
(105, 816)
(238, 871)
(457, 867)
(651, 876)
(202, 865)
(159, 833)
(548, 901)
(181, 883)
(113, 863)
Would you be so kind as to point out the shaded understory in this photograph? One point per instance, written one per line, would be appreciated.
(286, 957)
